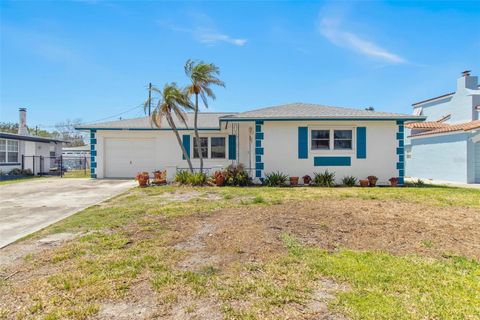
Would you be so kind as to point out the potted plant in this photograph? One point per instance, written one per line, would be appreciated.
(143, 179)
(294, 181)
(307, 179)
(393, 181)
(160, 177)
(364, 182)
(372, 181)
(219, 178)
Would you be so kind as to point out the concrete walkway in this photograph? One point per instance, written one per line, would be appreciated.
(29, 206)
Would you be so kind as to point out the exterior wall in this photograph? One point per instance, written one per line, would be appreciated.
(440, 157)
(168, 154)
(281, 141)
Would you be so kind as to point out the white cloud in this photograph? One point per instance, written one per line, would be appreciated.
(331, 29)
(203, 31)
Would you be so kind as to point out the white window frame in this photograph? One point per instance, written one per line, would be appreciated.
(209, 147)
(331, 149)
(7, 151)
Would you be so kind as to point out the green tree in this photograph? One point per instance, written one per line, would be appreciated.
(173, 101)
(202, 76)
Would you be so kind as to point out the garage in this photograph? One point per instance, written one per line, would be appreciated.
(125, 157)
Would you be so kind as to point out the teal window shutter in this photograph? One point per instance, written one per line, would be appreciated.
(302, 143)
(361, 142)
(186, 144)
(232, 147)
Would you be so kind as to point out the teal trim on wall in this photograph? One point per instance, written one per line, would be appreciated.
(302, 142)
(401, 121)
(324, 119)
(258, 143)
(332, 161)
(258, 158)
(258, 173)
(361, 142)
(259, 136)
(256, 121)
(232, 147)
(146, 129)
(259, 151)
(186, 144)
(401, 152)
(258, 128)
(93, 154)
(259, 165)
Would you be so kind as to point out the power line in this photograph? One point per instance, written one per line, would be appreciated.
(102, 119)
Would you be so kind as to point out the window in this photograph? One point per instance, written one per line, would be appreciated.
(203, 147)
(8, 151)
(320, 139)
(342, 139)
(217, 147)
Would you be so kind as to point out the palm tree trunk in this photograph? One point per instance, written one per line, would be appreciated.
(184, 151)
(197, 138)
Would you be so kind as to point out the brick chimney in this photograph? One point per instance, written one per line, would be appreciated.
(22, 122)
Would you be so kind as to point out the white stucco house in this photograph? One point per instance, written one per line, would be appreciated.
(296, 139)
(25, 151)
(446, 147)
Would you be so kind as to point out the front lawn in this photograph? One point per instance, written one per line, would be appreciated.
(255, 253)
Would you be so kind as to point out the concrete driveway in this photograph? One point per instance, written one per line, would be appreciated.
(29, 206)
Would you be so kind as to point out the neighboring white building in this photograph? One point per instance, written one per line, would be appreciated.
(446, 146)
(23, 151)
(296, 139)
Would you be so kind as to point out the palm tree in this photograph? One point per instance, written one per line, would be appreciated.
(202, 76)
(173, 101)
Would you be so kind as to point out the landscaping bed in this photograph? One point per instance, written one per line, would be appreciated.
(255, 253)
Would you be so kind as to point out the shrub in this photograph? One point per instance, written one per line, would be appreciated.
(27, 172)
(182, 176)
(349, 181)
(197, 179)
(235, 175)
(419, 183)
(275, 179)
(325, 179)
(15, 172)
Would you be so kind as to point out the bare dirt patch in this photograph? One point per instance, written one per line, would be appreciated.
(228, 238)
(15, 253)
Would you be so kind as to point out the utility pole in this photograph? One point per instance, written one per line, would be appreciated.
(149, 98)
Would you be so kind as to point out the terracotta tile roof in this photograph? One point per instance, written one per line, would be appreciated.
(451, 128)
(426, 125)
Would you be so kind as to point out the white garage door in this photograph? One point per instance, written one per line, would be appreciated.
(124, 158)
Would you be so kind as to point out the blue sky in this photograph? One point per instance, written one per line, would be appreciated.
(93, 59)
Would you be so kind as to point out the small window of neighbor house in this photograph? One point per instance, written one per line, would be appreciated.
(417, 111)
(3, 150)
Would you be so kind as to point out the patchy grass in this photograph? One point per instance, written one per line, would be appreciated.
(130, 240)
(22, 179)
(383, 286)
(77, 174)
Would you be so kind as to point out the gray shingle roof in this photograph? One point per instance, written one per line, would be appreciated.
(314, 111)
(206, 120)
